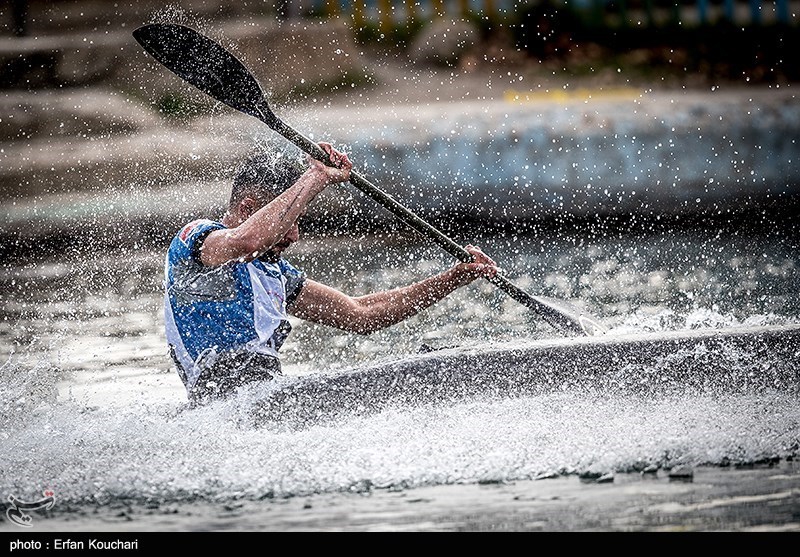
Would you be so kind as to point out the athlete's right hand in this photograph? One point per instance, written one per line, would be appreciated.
(339, 172)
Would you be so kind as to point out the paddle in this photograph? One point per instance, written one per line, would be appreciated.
(218, 73)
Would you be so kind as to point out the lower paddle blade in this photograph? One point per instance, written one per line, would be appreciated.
(203, 63)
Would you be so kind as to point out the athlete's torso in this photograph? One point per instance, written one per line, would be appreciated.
(232, 307)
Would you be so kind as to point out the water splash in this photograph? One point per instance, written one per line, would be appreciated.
(93, 410)
(166, 453)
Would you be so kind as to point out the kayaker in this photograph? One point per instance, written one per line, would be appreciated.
(229, 291)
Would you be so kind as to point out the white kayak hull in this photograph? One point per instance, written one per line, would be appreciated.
(733, 360)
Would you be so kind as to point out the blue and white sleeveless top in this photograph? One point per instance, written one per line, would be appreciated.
(233, 307)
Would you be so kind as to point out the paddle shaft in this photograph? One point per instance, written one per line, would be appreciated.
(211, 68)
(552, 316)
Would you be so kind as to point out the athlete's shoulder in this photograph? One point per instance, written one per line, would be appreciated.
(185, 242)
(195, 228)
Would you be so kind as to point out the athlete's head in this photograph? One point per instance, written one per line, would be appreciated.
(262, 178)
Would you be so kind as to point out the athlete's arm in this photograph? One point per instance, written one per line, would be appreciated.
(365, 314)
(270, 223)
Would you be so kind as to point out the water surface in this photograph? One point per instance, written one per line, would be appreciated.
(92, 410)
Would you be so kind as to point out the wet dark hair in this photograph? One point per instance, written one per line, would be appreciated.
(265, 176)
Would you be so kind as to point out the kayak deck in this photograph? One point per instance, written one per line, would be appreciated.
(733, 360)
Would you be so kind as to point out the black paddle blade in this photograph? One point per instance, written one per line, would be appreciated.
(206, 65)
(218, 73)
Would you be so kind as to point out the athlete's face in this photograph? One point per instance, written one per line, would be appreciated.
(276, 251)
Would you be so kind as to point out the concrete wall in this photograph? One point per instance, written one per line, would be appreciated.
(92, 148)
(629, 152)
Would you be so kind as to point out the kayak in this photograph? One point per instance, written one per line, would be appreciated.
(711, 361)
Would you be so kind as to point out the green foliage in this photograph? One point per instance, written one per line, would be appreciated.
(175, 105)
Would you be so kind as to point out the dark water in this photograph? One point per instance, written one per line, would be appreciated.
(92, 410)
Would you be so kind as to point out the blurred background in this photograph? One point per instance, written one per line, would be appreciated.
(468, 111)
(636, 158)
